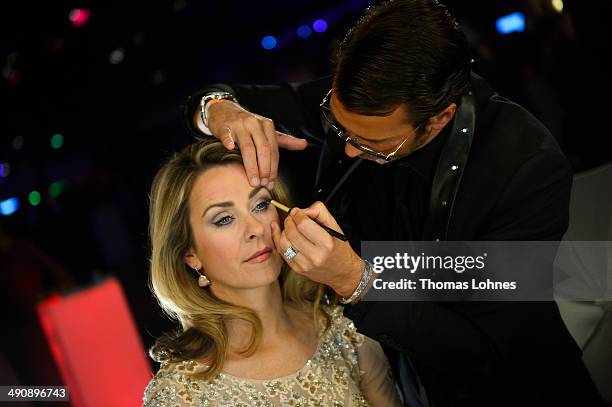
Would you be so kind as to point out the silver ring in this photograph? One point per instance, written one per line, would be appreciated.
(290, 253)
(229, 133)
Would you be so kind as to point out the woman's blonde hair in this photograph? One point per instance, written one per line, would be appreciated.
(203, 317)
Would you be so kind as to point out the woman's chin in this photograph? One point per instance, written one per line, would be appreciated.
(261, 274)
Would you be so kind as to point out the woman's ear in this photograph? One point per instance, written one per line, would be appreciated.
(192, 260)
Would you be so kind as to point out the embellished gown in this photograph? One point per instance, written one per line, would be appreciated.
(347, 369)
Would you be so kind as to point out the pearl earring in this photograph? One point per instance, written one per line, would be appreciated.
(203, 281)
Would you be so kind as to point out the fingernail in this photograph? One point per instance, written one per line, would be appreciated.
(270, 185)
(264, 181)
(293, 211)
(254, 181)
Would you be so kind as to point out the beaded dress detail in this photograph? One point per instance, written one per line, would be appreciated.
(333, 376)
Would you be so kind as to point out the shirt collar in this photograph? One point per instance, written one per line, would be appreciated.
(425, 160)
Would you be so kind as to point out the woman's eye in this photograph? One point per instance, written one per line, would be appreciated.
(224, 221)
(262, 206)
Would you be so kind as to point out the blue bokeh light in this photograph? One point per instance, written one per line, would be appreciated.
(268, 42)
(514, 22)
(304, 31)
(319, 26)
(9, 206)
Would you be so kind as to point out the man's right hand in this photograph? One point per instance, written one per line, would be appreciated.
(256, 137)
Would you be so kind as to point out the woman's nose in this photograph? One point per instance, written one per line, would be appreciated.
(255, 228)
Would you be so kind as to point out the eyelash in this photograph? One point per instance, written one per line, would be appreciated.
(223, 221)
(265, 202)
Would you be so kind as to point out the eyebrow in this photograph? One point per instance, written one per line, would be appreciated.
(357, 135)
(373, 141)
(369, 140)
(230, 203)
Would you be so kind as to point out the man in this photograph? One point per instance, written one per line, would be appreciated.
(405, 143)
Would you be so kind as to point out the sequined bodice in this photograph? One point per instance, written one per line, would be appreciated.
(330, 378)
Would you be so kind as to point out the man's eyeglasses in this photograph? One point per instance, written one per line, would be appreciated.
(381, 158)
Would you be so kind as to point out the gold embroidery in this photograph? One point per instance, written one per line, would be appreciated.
(329, 378)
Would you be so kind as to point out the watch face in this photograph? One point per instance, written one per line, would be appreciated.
(216, 96)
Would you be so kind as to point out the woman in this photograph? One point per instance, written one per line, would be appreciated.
(253, 332)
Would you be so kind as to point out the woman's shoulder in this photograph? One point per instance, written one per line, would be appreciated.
(174, 385)
(341, 325)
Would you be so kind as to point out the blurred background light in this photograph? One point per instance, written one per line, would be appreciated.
(304, 31)
(319, 26)
(514, 22)
(268, 42)
(34, 198)
(56, 188)
(5, 169)
(9, 206)
(57, 140)
(11, 74)
(18, 143)
(79, 16)
(558, 5)
(117, 56)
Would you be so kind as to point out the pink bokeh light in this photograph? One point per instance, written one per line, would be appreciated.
(79, 16)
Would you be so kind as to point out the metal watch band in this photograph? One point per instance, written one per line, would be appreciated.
(212, 96)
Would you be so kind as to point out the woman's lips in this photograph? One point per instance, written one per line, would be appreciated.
(261, 257)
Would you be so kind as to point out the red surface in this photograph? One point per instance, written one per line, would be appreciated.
(96, 345)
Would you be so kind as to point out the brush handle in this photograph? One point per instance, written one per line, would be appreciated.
(329, 230)
(332, 232)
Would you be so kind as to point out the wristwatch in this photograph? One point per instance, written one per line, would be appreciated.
(217, 95)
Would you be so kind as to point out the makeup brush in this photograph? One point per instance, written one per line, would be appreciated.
(331, 231)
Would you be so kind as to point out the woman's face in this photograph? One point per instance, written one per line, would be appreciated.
(230, 221)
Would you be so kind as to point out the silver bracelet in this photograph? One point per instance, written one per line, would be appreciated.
(366, 276)
(212, 96)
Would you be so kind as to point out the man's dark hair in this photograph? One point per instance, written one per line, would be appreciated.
(403, 51)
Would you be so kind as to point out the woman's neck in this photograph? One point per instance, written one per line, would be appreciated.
(267, 303)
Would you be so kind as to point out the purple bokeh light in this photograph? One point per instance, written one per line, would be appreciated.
(319, 26)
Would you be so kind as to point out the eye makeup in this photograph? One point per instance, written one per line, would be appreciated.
(329, 230)
(261, 206)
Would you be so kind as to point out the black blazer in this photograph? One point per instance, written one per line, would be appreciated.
(515, 185)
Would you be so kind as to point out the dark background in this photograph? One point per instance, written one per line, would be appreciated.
(112, 88)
